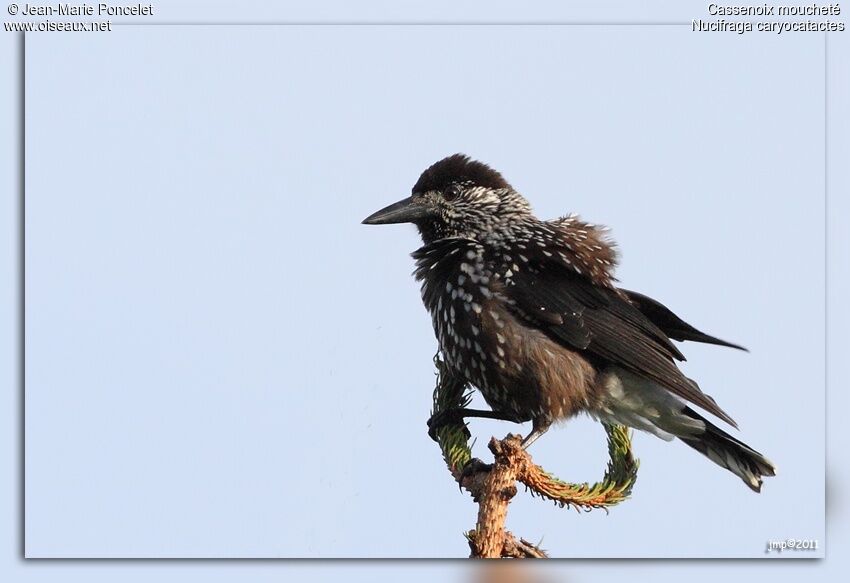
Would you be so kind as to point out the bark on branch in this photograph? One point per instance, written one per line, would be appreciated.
(494, 486)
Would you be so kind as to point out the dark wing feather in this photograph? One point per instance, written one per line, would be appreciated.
(670, 323)
(601, 322)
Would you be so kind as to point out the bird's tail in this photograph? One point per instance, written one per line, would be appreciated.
(632, 400)
(730, 453)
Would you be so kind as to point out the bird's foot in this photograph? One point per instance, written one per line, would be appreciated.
(470, 469)
(444, 418)
(457, 415)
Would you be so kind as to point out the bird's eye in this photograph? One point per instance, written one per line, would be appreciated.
(451, 192)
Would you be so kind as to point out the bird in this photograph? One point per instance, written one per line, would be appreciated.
(529, 313)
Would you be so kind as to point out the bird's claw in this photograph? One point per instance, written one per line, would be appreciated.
(442, 419)
(472, 467)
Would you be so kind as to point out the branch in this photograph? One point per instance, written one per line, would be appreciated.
(493, 487)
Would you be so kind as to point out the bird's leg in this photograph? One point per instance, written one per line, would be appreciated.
(456, 415)
(538, 428)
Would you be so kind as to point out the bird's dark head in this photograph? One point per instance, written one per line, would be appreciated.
(457, 197)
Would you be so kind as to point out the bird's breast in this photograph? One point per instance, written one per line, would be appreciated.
(517, 368)
(459, 289)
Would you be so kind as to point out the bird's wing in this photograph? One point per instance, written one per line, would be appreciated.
(599, 321)
(671, 324)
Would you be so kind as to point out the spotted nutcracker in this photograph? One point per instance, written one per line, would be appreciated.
(527, 311)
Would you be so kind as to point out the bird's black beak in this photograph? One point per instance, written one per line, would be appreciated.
(408, 210)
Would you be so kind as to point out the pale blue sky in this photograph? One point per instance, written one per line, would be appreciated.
(238, 304)
(221, 361)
